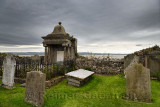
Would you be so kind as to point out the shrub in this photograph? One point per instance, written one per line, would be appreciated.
(87, 68)
(157, 75)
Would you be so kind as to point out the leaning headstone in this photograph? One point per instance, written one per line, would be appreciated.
(138, 82)
(35, 88)
(8, 72)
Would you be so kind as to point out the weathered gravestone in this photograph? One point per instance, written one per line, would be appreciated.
(35, 88)
(138, 82)
(8, 72)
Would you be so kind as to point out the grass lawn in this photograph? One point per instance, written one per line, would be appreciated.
(101, 91)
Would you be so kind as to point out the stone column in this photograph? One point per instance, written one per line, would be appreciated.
(68, 53)
(65, 53)
(46, 55)
(35, 88)
(72, 53)
(146, 61)
(49, 59)
(75, 46)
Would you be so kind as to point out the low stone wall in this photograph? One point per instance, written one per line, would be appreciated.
(48, 83)
(100, 65)
(19, 80)
(54, 81)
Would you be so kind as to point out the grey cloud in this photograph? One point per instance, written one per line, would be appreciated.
(139, 45)
(25, 21)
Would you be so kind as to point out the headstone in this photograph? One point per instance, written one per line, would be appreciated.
(135, 60)
(8, 72)
(138, 82)
(35, 88)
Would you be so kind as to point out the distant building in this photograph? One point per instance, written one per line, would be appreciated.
(59, 46)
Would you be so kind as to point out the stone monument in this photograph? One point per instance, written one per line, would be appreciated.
(35, 88)
(79, 77)
(138, 82)
(59, 46)
(9, 64)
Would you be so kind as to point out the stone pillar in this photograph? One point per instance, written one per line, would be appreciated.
(65, 53)
(146, 61)
(138, 83)
(68, 53)
(9, 64)
(49, 54)
(46, 55)
(75, 45)
(72, 53)
(35, 88)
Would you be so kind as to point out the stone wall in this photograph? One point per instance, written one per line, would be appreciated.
(149, 57)
(48, 84)
(149, 60)
(19, 80)
(100, 65)
(153, 63)
(54, 81)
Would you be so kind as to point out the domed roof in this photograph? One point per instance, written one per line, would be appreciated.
(59, 29)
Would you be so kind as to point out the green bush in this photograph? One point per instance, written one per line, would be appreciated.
(156, 75)
(76, 54)
(87, 68)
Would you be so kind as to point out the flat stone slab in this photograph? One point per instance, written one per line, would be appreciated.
(80, 73)
(79, 77)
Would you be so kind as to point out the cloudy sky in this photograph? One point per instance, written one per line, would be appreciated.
(106, 26)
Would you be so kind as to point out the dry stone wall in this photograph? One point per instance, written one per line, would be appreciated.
(100, 65)
(149, 58)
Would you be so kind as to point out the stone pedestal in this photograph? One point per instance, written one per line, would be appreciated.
(35, 88)
(138, 83)
(8, 72)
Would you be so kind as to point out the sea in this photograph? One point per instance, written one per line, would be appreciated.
(115, 56)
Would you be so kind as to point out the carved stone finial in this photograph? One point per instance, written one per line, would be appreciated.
(59, 23)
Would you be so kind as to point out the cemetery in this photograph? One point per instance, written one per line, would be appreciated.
(62, 78)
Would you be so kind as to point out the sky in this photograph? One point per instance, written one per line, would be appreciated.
(101, 26)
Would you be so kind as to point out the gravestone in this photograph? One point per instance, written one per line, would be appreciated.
(8, 72)
(79, 77)
(138, 82)
(135, 60)
(35, 88)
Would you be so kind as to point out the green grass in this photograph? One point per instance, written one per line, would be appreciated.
(101, 91)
